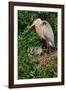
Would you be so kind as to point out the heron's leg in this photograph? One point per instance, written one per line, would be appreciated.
(47, 48)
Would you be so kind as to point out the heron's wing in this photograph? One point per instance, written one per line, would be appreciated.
(48, 34)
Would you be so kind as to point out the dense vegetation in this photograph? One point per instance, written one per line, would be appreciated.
(27, 63)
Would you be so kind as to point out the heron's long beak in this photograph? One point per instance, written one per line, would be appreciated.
(29, 27)
(32, 25)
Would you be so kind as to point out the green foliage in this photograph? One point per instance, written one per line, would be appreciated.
(27, 66)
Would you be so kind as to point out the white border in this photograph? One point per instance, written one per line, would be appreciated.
(42, 80)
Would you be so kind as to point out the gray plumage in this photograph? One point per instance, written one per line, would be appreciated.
(44, 31)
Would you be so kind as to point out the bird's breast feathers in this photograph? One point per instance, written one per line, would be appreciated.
(45, 33)
(39, 31)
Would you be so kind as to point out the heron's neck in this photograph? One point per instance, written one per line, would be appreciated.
(37, 27)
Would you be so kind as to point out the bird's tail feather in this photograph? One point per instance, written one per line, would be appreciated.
(51, 44)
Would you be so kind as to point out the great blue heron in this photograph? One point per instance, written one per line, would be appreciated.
(44, 31)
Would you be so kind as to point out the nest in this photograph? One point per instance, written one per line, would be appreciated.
(47, 59)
